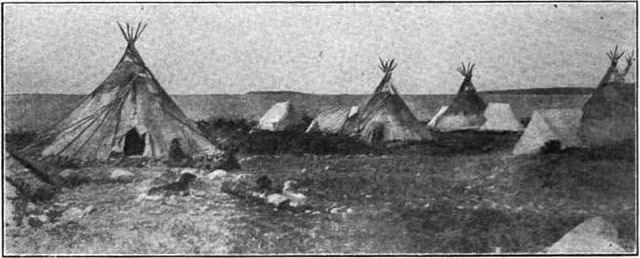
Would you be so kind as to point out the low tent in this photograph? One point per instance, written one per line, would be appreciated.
(129, 113)
(547, 125)
(609, 116)
(467, 108)
(432, 123)
(280, 117)
(332, 120)
(385, 116)
(500, 117)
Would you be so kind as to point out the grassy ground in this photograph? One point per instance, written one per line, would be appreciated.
(462, 193)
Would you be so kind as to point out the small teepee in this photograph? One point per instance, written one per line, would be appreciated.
(385, 116)
(467, 108)
(129, 113)
(609, 116)
(550, 125)
(332, 120)
(500, 117)
(280, 117)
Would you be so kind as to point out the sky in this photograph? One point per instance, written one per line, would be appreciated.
(316, 48)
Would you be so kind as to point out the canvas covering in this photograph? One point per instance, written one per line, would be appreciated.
(386, 117)
(550, 124)
(500, 117)
(332, 120)
(130, 98)
(280, 117)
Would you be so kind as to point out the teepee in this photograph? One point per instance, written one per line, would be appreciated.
(466, 109)
(280, 117)
(385, 116)
(560, 125)
(332, 120)
(500, 117)
(129, 113)
(609, 116)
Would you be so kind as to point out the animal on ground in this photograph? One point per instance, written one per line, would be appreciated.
(181, 187)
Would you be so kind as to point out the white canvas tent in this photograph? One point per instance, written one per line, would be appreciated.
(128, 113)
(500, 117)
(550, 125)
(280, 117)
(332, 120)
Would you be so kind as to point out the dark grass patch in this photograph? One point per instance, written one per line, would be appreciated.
(19, 139)
(443, 228)
(237, 134)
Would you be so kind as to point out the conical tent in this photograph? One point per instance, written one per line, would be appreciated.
(128, 113)
(332, 120)
(560, 125)
(500, 117)
(280, 117)
(385, 116)
(609, 116)
(467, 108)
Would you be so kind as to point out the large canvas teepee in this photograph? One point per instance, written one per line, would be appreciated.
(280, 117)
(129, 113)
(466, 109)
(609, 116)
(385, 116)
(560, 125)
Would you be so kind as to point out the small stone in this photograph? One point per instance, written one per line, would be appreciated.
(193, 171)
(121, 174)
(42, 218)
(31, 208)
(32, 221)
(68, 173)
(217, 174)
(336, 210)
(303, 170)
(89, 209)
(72, 214)
(10, 191)
(349, 210)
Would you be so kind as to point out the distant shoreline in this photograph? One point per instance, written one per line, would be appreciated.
(534, 91)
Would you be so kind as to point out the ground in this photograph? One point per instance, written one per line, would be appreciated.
(414, 199)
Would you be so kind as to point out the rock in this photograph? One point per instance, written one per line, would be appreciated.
(89, 209)
(594, 235)
(121, 174)
(72, 214)
(10, 192)
(32, 221)
(193, 171)
(9, 213)
(42, 218)
(30, 208)
(337, 210)
(68, 173)
(217, 174)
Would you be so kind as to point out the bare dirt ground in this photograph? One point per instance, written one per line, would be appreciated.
(392, 203)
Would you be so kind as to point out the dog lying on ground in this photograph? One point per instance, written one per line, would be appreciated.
(181, 187)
